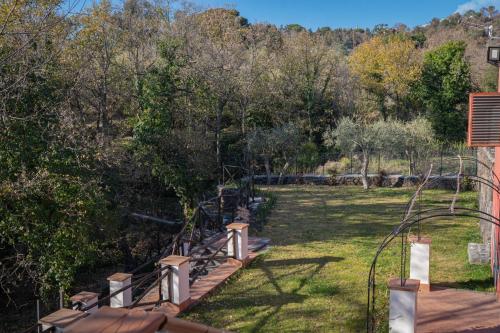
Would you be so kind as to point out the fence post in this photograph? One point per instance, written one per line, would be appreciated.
(220, 218)
(61, 298)
(38, 314)
(237, 247)
(247, 196)
(118, 281)
(201, 221)
(253, 187)
(441, 160)
(350, 160)
(175, 286)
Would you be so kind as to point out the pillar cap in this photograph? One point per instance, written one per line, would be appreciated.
(83, 296)
(119, 277)
(62, 317)
(421, 240)
(174, 260)
(237, 226)
(408, 284)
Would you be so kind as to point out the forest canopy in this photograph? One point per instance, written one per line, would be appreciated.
(112, 108)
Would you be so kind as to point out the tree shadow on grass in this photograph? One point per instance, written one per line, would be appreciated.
(303, 265)
(472, 284)
(366, 225)
(267, 305)
(321, 261)
(318, 262)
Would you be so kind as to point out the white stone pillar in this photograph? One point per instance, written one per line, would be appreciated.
(177, 282)
(237, 247)
(116, 282)
(420, 254)
(185, 248)
(86, 298)
(59, 320)
(403, 305)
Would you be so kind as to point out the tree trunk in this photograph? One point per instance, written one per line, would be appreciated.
(268, 170)
(285, 167)
(243, 135)
(409, 162)
(413, 170)
(220, 109)
(383, 110)
(364, 170)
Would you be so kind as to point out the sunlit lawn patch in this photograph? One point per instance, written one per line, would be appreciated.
(314, 277)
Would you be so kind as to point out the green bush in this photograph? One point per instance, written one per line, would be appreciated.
(49, 227)
(264, 209)
(308, 156)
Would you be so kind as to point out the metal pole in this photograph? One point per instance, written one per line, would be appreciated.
(61, 298)
(38, 314)
(220, 219)
(350, 159)
(201, 221)
(159, 284)
(296, 171)
(253, 188)
(441, 162)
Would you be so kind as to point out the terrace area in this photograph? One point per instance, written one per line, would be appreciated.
(457, 310)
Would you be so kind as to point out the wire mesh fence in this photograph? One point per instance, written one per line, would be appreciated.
(389, 164)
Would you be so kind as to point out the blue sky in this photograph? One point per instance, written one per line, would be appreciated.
(346, 13)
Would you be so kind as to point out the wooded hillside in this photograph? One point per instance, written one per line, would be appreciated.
(105, 111)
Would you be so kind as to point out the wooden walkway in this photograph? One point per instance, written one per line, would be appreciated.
(205, 285)
(446, 310)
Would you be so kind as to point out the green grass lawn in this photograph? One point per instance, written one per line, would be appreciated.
(314, 278)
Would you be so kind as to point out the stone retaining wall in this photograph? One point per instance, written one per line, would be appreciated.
(435, 182)
(485, 197)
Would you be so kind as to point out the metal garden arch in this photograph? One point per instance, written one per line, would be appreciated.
(411, 219)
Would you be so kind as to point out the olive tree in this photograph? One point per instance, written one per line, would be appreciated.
(274, 143)
(363, 137)
(414, 139)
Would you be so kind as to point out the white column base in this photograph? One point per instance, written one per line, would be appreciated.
(177, 282)
(116, 282)
(420, 254)
(237, 247)
(86, 298)
(403, 306)
(61, 319)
